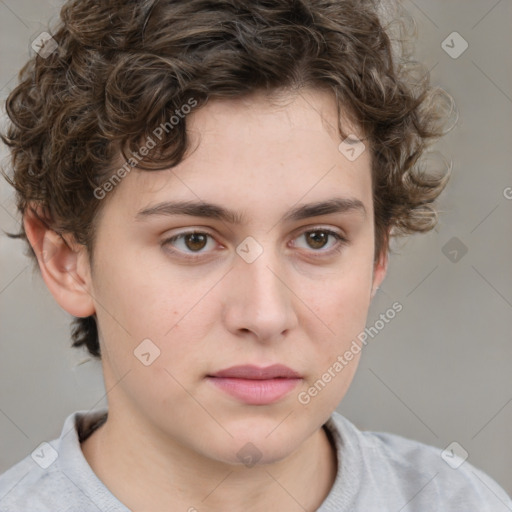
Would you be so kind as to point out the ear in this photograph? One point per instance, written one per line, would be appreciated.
(379, 270)
(64, 264)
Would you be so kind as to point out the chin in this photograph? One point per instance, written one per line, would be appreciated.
(258, 443)
(248, 454)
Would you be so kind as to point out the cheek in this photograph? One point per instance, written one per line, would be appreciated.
(341, 311)
(127, 304)
(138, 293)
(341, 300)
(137, 300)
(340, 307)
(345, 315)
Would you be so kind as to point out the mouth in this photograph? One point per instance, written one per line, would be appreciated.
(255, 385)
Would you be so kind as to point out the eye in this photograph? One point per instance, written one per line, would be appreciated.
(321, 240)
(190, 242)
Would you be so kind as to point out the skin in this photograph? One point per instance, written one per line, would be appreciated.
(170, 434)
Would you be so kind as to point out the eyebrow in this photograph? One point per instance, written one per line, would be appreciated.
(215, 211)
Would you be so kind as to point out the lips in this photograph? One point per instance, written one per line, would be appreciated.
(255, 385)
(276, 371)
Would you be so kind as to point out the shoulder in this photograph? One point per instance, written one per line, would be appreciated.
(28, 486)
(56, 476)
(417, 473)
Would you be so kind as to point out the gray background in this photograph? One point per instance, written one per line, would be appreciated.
(439, 372)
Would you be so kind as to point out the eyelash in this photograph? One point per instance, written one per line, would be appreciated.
(341, 242)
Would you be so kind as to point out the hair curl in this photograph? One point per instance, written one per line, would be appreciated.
(122, 67)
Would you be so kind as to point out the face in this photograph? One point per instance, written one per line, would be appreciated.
(262, 276)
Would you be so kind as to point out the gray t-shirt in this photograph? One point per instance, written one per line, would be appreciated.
(379, 472)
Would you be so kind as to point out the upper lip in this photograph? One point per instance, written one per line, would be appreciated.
(253, 372)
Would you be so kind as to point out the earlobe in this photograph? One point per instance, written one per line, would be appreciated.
(63, 263)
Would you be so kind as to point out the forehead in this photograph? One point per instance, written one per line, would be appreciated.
(279, 113)
(256, 149)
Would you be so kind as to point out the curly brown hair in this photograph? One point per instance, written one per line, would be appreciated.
(123, 67)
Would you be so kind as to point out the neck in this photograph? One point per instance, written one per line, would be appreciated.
(148, 472)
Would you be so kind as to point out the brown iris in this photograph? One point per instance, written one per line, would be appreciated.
(316, 239)
(196, 241)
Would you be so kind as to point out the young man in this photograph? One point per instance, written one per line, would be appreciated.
(210, 188)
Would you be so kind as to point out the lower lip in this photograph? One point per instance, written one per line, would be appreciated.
(255, 392)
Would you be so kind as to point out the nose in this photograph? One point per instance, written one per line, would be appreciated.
(259, 299)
